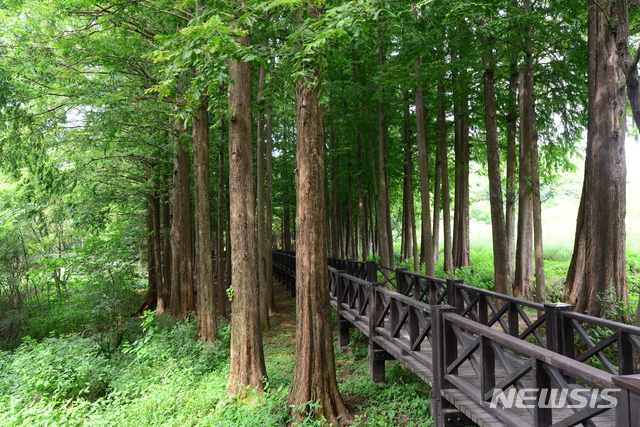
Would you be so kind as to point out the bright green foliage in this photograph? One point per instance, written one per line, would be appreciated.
(90, 93)
(57, 369)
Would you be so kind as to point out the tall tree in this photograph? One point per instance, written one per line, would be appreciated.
(598, 265)
(247, 355)
(266, 294)
(511, 177)
(314, 377)
(423, 162)
(461, 210)
(182, 296)
(202, 222)
(498, 229)
(409, 238)
(444, 172)
(383, 208)
(523, 278)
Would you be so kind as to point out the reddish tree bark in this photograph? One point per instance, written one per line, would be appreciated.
(314, 377)
(598, 265)
(247, 357)
(182, 296)
(202, 221)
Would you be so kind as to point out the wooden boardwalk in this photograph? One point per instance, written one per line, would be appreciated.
(480, 350)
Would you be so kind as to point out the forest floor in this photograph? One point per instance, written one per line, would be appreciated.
(404, 400)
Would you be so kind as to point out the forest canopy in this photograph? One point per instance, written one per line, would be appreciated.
(152, 153)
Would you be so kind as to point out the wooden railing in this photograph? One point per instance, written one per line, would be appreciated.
(480, 350)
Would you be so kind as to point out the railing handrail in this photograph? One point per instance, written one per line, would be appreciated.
(580, 371)
(507, 298)
(598, 321)
(404, 299)
(423, 276)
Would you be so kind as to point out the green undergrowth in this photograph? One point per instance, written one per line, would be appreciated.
(156, 372)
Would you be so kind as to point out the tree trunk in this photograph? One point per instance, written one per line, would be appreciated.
(498, 229)
(182, 296)
(269, 210)
(350, 241)
(446, 204)
(523, 278)
(364, 235)
(154, 274)
(247, 358)
(423, 163)
(511, 178)
(597, 269)
(164, 297)
(462, 157)
(334, 225)
(406, 243)
(221, 227)
(409, 238)
(630, 65)
(203, 249)
(437, 197)
(383, 210)
(541, 287)
(263, 278)
(314, 377)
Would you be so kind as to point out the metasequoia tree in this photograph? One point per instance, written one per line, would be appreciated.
(314, 377)
(461, 257)
(423, 161)
(444, 173)
(222, 220)
(203, 242)
(247, 357)
(597, 269)
(383, 208)
(266, 293)
(202, 218)
(498, 229)
(182, 299)
(409, 234)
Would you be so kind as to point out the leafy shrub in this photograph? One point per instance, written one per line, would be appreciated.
(479, 273)
(165, 338)
(55, 369)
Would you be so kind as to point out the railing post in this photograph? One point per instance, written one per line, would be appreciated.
(483, 310)
(350, 266)
(343, 324)
(514, 319)
(292, 275)
(444, 352)
(625, 354)
(377, 355)
(542, 416)
(556, 340)
(414, 328)
(628, 400)
(453, 297)
(372, 271)
(488, 367)
(394, 314)
(431, 291)
(401, 278)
